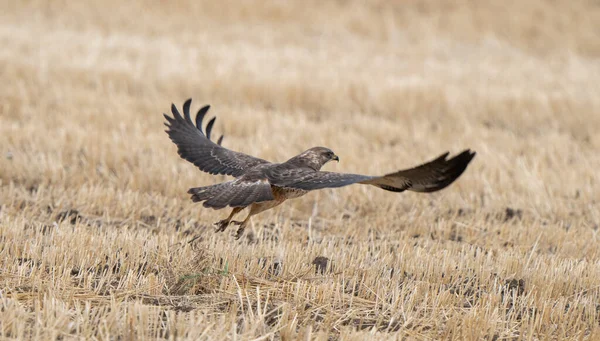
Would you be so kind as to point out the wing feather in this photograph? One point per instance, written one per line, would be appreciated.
(309, 179)
(209, 127)
(196, 147)
(428, 177)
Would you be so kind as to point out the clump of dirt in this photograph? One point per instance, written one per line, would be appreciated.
(70, 215)
(511, 213)
(320, 264)
(513, 285)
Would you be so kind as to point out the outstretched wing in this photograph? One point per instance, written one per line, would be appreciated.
(308, 179)
(196, 147)
(429, 177)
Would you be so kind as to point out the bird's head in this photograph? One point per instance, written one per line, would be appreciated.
(316, 157)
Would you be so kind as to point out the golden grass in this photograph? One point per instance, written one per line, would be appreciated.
(95, 217)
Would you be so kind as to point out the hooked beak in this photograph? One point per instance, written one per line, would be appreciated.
(336, 158)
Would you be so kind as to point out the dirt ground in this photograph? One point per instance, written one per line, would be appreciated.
(95, 218)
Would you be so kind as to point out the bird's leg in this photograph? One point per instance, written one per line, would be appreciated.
(222, 224)
(242, 225)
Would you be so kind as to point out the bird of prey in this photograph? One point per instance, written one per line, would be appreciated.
(261, 185)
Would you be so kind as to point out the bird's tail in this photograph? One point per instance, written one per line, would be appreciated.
(232, 193)
(204, 193)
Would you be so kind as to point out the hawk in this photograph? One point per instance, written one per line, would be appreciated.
(262, 185)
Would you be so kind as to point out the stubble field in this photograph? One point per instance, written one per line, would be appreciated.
(95, 219)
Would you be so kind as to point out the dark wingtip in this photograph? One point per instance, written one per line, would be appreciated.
(200, 116)
(464, 158)
(443, 157)
(459, 165)
(468, 154)
(168, 118)
(220, 140)
(175, 111)
(186, 109)
(209, 126)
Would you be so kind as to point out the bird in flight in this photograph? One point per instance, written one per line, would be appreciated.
(262, 185)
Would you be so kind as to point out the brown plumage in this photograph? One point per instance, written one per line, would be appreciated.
(261, 185)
